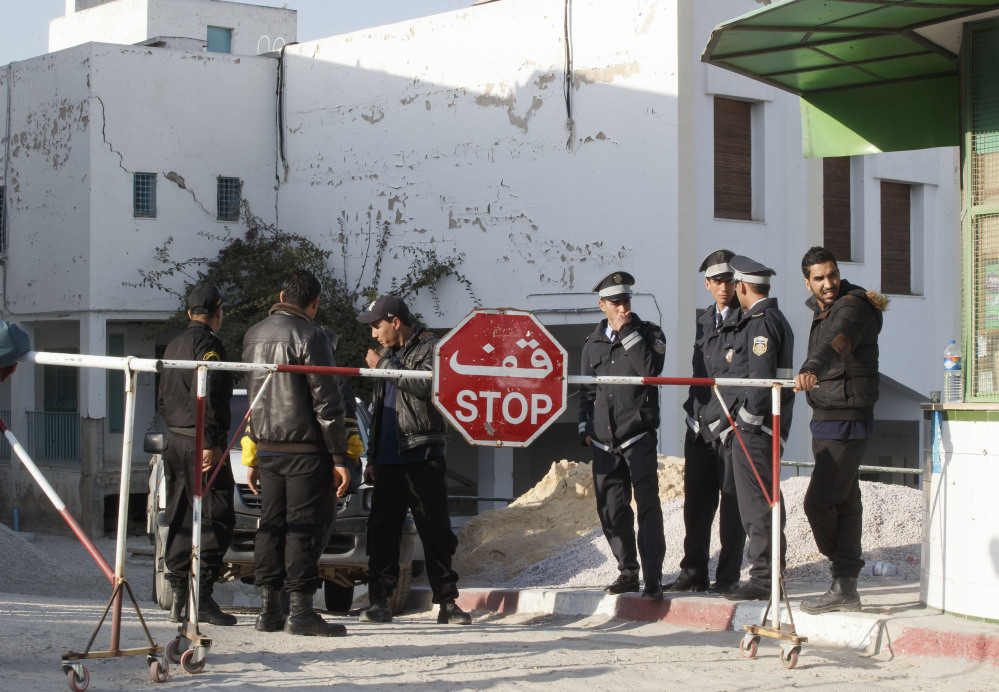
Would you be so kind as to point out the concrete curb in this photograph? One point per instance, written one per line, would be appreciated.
(869, 633)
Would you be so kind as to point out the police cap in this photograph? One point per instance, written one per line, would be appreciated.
(717, 264)
(750, 271)
(615, 286)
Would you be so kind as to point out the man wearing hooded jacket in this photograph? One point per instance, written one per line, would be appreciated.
(841, 377)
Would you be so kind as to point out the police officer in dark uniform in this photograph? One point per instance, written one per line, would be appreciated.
(619, 424)
(707, 461)
(177, 405)
(764, 350)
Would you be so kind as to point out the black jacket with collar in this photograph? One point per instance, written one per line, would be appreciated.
(418, 422)
(305, 410)
(843, 354)
(178, 387)
(613, 413)
(765, 351)
(714, 349)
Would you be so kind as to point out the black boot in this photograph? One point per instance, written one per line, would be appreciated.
(179, 605)
(378, 611)
(305, 621)
(451, 614)
(841, 596)
(272, 615)
(209, 611)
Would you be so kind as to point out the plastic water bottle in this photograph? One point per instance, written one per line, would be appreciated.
(953, 374)
(879, 569)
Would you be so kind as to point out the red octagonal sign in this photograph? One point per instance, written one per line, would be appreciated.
(500, 377)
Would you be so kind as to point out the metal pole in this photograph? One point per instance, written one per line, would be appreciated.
(123, 488)
(199, 445)
(775, 531)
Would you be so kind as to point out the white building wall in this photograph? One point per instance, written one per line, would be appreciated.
(453, 131)
(129, 22)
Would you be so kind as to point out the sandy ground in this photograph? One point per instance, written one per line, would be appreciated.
(494, 653)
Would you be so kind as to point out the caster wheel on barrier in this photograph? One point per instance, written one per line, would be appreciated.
(173, 651)
(789, 657)
(159, 672)
(749, 646)
(78, 683)
(188, 664)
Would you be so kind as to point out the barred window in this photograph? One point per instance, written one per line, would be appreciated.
(228, 198)
(144, 195)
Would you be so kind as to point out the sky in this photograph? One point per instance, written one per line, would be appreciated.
(24, 32)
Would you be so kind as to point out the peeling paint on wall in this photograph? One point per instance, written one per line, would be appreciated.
(605, 74)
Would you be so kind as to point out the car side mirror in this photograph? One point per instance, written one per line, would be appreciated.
(154, 443)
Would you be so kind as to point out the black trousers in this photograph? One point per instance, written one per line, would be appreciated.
(615, 474)
(218, 517)
(757, 515)
(296, 518)
(420, 487)
(833, 506)
(709, 485)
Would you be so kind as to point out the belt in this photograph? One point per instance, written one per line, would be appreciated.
(291, 448)
(189, 432)
(624, 445)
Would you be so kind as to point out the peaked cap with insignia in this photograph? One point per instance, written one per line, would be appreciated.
(615, 286)
(717, 264)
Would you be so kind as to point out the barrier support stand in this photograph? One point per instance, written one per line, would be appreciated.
(190, 648)
(790, 641)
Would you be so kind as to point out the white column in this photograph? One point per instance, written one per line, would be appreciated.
(495, 475)
(93, 381)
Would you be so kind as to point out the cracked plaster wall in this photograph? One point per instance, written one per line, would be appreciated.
(452, 129)
(84, 121)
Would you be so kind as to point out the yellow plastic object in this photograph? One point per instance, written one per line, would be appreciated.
(249, 451)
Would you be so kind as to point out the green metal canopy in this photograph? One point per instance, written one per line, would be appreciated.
(873, 75)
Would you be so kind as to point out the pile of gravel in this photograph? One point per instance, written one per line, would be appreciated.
(893, 520)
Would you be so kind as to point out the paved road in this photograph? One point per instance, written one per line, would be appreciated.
(495, 653)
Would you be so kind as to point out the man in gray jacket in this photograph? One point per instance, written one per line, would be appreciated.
(298, 426)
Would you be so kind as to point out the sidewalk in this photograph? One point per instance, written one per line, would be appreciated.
(892, 622)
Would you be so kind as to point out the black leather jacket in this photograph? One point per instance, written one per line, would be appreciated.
(418, 422)
(714, 349)
(297, 413)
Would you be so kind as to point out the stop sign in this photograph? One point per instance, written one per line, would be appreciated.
(500, 377)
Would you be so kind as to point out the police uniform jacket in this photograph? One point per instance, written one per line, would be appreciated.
(612, 414)
(178, 395)
(843, 354)
(764, 350)
(297, 413)
(714, 348)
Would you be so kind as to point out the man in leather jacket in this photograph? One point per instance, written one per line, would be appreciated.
(619, 423)
(406, 464)
(840, 374)
(177, 405)
(298, 428)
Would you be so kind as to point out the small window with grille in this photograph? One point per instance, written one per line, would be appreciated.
(228, 198)
(144, 195)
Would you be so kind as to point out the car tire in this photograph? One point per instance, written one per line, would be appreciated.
(339, 598)
(162, 591)
(397, 604)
